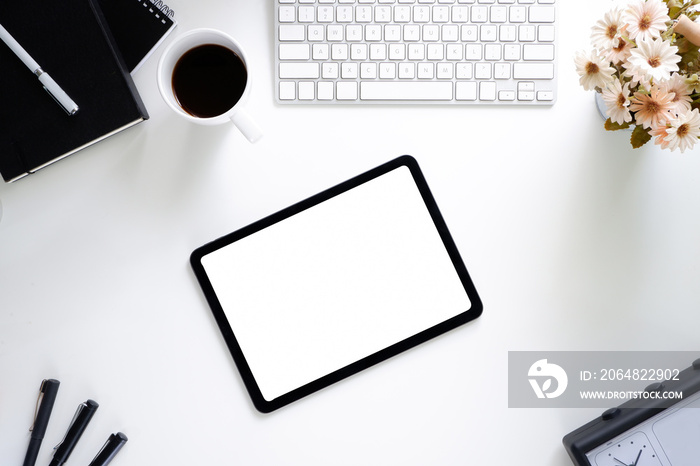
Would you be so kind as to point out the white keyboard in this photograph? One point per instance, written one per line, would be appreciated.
(416, 51)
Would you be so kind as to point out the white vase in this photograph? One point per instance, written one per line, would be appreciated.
(600, 104)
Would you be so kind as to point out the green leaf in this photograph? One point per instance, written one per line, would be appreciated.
(640, 136)
(612, 126)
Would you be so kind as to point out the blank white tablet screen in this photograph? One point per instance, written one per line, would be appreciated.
(335, 283)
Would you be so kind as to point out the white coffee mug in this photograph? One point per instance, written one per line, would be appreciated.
(166, 66)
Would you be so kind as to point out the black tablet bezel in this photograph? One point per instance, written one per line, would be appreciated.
(265, 406)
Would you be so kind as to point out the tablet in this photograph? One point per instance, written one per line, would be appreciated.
(336, 283)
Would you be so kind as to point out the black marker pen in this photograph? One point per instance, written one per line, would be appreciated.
(75, 431)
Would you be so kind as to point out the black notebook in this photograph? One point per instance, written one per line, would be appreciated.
(138, 26)
(70, 41)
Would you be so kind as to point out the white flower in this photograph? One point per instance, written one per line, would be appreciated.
(678, 85)
(620, 51)
(646, 19)
(617, 99)
(606, 30)
(683, 132)
(594, 70)
(655, 59)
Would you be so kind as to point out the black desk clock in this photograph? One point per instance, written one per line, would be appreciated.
(660, 431)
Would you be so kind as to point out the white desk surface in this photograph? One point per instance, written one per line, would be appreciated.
(574, 240)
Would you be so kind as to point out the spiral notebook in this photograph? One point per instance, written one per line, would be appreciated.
(138, 27)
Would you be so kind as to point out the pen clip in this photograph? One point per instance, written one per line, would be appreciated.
(38, 403)
(81, 406)
(103, 447)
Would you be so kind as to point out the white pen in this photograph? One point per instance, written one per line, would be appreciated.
(49, 84)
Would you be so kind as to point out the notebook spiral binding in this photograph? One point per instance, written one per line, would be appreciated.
(165, 9)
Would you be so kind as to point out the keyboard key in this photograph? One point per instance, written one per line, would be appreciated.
(316, 32)
(387, 70)
(299, 70)
(325, 90)
(464, 71)
(291, 32)
(421, 14)
(501, 71)
(407, 71)
(426, 71)
(469, 33)
(382, 14)
(287, 14)
(527, 33)
(363, 14)
(343, 14)
(368, 70)
(417, 51)
(307, 90)
(441, 14)
(538, 52)
(330, 71)
(436, 52)
(307, 14)
(506, 95)
(445, 70)
(397, 51)
(321, 51)
(507, 33)
(541, 14)
(533, 70)
(526, 86)
(406, 91)
(288, 90)
(460, 14)
(492, 52)
(482, 71)
(480, 14)
(465, 90)
(499, 14)
(339, 52)
(545, 33)
(349, 70)
(335, 32)
(373, 33)
(358, 52)
(294, 52)
(518, 14)
(511, 52)
(346, 90)
(487, 90)
(392, 33)
(455, 52)
(325, 14)
(377, 52)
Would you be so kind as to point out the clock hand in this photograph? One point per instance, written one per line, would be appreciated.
(623, 463)
(637, 460)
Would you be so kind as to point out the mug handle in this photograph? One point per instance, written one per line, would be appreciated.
(246, 125)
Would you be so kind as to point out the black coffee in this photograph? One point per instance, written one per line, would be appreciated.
(208, 80)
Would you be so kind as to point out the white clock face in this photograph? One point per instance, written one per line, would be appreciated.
(634, 450)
